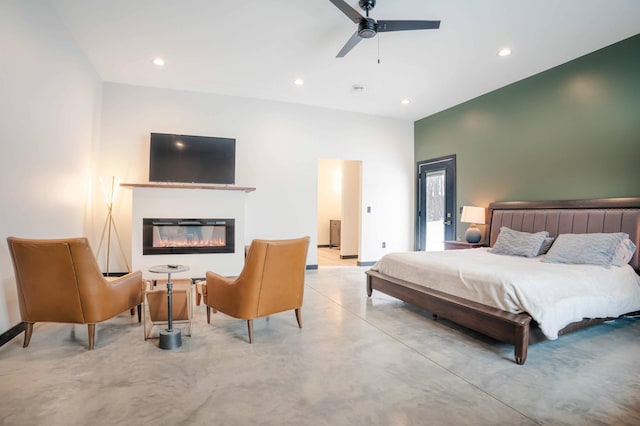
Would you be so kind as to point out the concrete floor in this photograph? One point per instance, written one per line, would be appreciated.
(331, 257)
(357, 361)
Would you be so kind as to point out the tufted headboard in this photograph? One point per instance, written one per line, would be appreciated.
(569, 217)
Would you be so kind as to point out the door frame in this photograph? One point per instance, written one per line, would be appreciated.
(350, 214)
(449, 161)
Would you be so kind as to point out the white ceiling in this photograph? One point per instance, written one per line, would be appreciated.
(256, 48)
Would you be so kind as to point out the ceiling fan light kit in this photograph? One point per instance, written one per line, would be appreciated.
(369, 27)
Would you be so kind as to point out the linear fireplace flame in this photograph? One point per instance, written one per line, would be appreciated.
(185, 236)
(188, 236)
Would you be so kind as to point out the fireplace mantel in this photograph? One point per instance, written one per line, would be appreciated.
(189, 186)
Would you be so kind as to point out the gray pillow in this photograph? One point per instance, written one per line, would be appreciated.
(593, 249)
(516, 243)
(546, 245)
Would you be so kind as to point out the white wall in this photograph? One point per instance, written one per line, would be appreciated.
(329, 196)
(351, 208)
(278, 148)
(50, 98)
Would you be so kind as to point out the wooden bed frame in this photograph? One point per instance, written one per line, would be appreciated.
(557, 217)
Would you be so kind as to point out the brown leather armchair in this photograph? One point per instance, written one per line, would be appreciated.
(271, 281)
(59, 280)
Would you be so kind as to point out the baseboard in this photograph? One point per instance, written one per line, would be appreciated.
(11, 333)
(366, 263)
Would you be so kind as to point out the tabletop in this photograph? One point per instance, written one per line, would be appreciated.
(168, 269)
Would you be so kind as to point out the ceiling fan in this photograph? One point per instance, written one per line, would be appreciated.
(369, 27)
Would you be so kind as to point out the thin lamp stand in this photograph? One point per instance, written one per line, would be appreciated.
(110, 223)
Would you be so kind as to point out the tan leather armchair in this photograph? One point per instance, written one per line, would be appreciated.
(59, 280)
(271, 281)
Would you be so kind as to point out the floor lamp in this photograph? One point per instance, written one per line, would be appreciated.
(110, 223)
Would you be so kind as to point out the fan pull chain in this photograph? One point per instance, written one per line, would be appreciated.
(378, 49)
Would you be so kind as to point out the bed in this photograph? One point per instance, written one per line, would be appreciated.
(500, 319)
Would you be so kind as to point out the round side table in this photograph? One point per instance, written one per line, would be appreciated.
(169, 338)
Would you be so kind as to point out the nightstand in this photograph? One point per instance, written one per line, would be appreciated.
(461, 245)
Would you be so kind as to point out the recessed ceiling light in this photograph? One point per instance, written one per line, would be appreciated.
(158, 62)
(505, 51)
(298, 82)
(405, 101)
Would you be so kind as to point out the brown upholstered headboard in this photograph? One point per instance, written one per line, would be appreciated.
(570, 216)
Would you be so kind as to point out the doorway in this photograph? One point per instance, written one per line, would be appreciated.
(339, 212)
(436, 204)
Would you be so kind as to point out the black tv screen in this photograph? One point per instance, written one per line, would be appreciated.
(192, 159)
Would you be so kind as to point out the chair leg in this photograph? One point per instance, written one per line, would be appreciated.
(198, 298)
(92, 335)
(299, 317)
(189, 295)
(131, 311)
(144, 325)
(140, 312)
(28, 331)
(250, 327)
(208, 314)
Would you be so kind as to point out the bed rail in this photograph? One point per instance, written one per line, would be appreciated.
(503, 326)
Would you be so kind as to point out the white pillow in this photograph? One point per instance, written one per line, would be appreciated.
(516, 243)
(593, 249)
(624, 252)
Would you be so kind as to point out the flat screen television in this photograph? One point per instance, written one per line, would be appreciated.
(192, 159)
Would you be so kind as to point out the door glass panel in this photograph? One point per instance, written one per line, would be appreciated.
(435, 214)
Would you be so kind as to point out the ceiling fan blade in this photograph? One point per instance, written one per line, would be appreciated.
(353, 14)
(355, 39)
(385, 26)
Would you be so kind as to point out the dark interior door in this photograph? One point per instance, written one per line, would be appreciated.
(436, 219)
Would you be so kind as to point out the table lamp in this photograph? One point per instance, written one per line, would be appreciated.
(474, 216)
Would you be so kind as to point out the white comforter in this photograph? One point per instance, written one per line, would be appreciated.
(553, 294)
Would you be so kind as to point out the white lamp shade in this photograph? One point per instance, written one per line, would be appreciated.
(472, 214)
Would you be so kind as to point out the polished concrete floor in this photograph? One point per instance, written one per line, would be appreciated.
(357, 361)
(331, 257)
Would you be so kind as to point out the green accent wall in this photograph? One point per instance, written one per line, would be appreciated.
(571, 132)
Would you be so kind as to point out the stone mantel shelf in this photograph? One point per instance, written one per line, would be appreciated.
(189, 186)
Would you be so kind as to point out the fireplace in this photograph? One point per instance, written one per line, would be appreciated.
(187, 236)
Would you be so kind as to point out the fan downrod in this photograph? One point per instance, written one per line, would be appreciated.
(367, 5)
